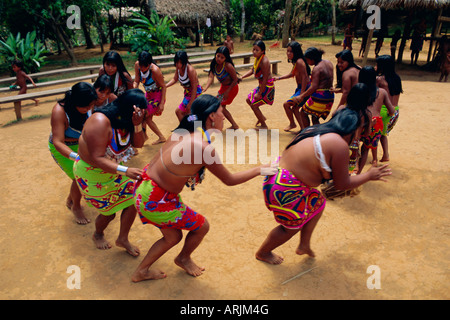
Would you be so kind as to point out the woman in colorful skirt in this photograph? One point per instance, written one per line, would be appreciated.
(182, 162)
(264, 93)
(316, 154)
(321, 97)
(67, 121)
(186, 75)
(389, 80)
(150, 76)
(301, 71)
(222, 67)
(107, 141)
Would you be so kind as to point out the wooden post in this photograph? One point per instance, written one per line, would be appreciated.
(369, 42)
(433, 34)
(275, 68)
(17, 107)
(406, 32)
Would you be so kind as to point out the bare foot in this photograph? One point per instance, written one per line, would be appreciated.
(374, 163)
(132, 250)
(189, 266)
(290, 127)
(147, 275)
(234, 127)
(261, 128)
(80, 218)
(270, 257)
(100, 242)
(301, 250)
(383, 159)
(160, 140)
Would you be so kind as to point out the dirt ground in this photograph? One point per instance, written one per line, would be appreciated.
(401, 226)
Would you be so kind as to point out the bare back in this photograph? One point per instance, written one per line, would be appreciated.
(173, 166)
(300, 160)
(325, 70)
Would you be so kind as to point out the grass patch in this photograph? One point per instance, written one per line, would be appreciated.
(27, 119)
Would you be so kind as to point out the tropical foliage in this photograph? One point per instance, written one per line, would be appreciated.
(154, 35)
(29, 50)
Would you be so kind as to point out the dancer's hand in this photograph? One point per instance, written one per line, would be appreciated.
(377, 173)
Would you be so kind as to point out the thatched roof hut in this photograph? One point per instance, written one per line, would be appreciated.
(411, 5)
(396, 4)
(191, 12)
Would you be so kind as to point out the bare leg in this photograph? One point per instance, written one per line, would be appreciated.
(179, 113)
(170, 238)
(192, 241)
(305, 120)
(229, 117)
(374, 157)
(315, 120)
(305, 237)
(384, 145)
(297, 113)
(155, 129)
(75, 204)
(363, 159)
(290, 115)
(278, 236)
(100, 225)
(259, 115)
(126, 221)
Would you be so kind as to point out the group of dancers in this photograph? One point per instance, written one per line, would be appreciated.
(96, 130)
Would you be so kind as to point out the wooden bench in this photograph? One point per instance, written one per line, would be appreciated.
(18, 98)
(55, 82)
(92, 70)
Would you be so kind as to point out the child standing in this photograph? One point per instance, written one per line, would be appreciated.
(229, 44)
(264, 93)
(301, 71)
(378, 98)
(21, 79)
(151, 77)
(223, 68)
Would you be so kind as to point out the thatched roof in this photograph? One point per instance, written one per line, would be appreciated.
(188, 11)
(396, 4)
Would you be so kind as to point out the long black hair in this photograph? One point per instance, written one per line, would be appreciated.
(314, 54)
(368, 76)
(104, 82)
(80, 95)
(114, 57)
(226, 52)
(345, 55)
(344, 121)
(298, 54)
(120, 111)
(386, 68)
(145, 59)
(182, 57)
(201, 108)
(260, 44)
